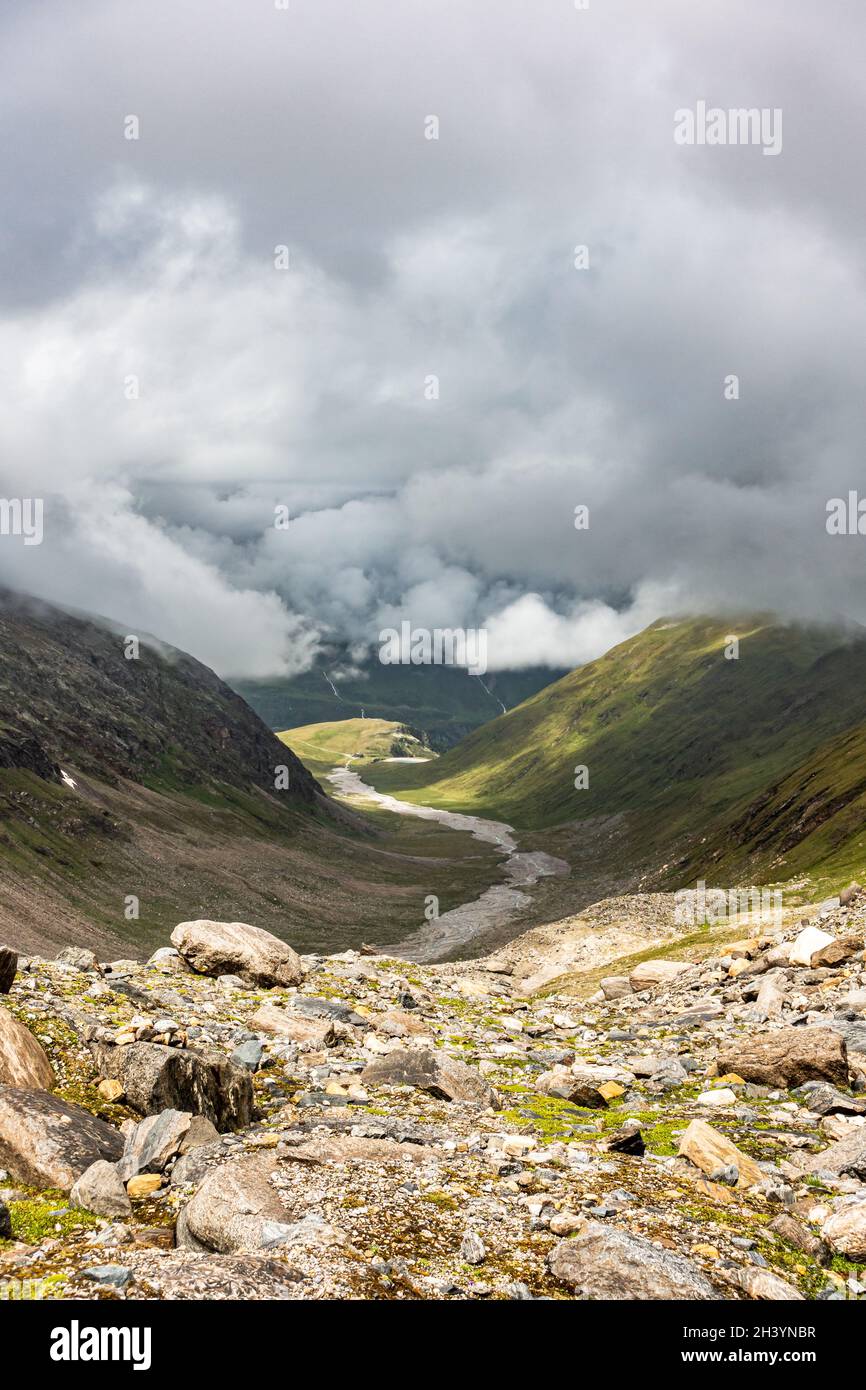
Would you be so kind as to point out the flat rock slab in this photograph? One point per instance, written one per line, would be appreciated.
(46, 1142)
(310, 1006)
(349, 1148)
(604, 1263)
(656, 972)
(710, 1151)
(235, 948)
(156, 1078)
(434, 1072)
(765, 1285)
(282, 1023)
(789, 1057)
(22, 1059)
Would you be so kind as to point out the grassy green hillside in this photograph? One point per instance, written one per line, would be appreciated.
(679, 738)
(321, 747)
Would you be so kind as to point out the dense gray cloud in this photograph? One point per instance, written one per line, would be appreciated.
(148, 266)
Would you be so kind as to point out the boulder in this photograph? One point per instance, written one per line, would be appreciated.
(807, 943)
(200, 1132)
(797, 1233)
(845, 1231)
(144, 1184)
(46, 1142)
(435, 1072)
(78, 957)
(22, 1060)
(711, 1151)
(615, 986)
(604, 1263)
(657, 972)
(234, 948)
(560, 1083)
(8, 968)
(627, 1140)
(156, 1077)
(235, 1208)
(151, 1145)
(789, 1057)
(661, 1064)
(270, 1018)
(771, 993)
(842, 949)
(248, 1054)
(826, 1100)
(100, 1190)
(845, 1158)
(395, 1023)
(763, 1284)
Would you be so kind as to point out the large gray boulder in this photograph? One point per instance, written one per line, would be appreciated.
(604, 1263)
(235, 1208)
(151, 1145)
(100, 1190)
(234, 948)
(844, 1159)
(22, 1059)
(788, 1057)
(845, 1231)
(155, 1077)
(46, 1142)
(431, 1071)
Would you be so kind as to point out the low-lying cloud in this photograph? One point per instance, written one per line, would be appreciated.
(431, 388)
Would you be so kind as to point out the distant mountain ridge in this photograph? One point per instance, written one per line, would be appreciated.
(440, 704)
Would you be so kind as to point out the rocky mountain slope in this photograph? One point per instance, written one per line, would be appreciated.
(232, 1121)
(131, 788)
(161, 718)
(731, 765)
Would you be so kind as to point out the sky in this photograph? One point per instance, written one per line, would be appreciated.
(250, 451)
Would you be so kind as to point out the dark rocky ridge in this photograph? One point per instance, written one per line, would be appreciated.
(69, 695)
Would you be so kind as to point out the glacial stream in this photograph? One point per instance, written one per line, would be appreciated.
(441, 938)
